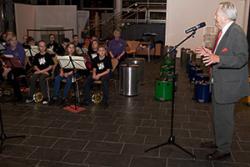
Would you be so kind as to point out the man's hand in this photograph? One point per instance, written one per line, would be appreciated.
(208, 57)
(202, 51)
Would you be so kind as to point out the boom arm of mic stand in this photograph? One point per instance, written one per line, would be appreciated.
(176, 46)
(171, 51)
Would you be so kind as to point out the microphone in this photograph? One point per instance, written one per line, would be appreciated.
(194, 28)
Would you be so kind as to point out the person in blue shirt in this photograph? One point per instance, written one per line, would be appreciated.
(17, 75)
(16, 49)
(117, 46)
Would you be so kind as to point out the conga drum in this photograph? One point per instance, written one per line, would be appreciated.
(167, 62)
(201, 77)
(164, 89)
(166, 71)
(202, 92)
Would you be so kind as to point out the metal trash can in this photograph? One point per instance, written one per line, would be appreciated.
(141, 63)
(128, 81)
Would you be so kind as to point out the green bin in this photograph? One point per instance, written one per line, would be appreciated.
(164, 89)
(166, 71)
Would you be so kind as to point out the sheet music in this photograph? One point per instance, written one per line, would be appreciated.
(79, 51)
(2, 46)
(93, 55)
(31, 52)
(65, 63)
(50, 50)
(12, 61)
(8, 56)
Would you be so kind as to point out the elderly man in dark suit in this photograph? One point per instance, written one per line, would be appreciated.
(229, 62)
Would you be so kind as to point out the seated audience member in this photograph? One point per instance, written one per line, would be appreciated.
(76, 42)
(101, 71)
(117, 46)
(25, 42)
(9, 35)
(93, 50)
(93, 38)
(60, 50)
(43, 64)
(64, 74)
(32, 50)
(30, 41)
(16, 49)
(86, 44)
(52, 45)
(3, 38)
(6, 73)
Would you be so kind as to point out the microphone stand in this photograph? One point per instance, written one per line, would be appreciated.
(171, 139)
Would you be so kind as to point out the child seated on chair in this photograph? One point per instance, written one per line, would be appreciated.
(64, 74)
(101, 71)
(43, 64)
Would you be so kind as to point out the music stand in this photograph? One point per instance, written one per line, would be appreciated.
(32, 51)
(72, 62)
(12, 61)
(3, 136)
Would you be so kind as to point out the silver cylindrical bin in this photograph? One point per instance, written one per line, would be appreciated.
(128, 81)
(141, 63)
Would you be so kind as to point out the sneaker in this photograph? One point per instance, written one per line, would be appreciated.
(28, 100)
(45, 102)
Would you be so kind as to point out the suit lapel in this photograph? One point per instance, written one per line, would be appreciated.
(223, 40)
(222, 43)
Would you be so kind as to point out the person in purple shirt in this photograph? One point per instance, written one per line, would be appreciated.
(16, 75)
(116, 46)
(16, 49)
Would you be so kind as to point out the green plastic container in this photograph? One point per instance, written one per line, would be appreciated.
(167, 61)
(166, 71)
(163, 89)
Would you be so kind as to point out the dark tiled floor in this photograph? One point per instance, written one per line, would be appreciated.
(118, 136)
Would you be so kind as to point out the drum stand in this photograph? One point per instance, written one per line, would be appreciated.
(3, 136)
(171, 140)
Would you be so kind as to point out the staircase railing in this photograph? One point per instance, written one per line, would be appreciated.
(131, 10)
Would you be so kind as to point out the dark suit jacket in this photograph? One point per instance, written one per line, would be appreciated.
(230, 76)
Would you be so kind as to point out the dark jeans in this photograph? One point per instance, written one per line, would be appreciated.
(105, 88)
(42, 82)
(57, 85)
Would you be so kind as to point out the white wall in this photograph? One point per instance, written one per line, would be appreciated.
(40, 17)
(57, 16)
(182, 14)
(82, 20)
(25, 19)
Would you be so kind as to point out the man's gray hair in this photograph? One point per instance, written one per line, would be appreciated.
(229, 10)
